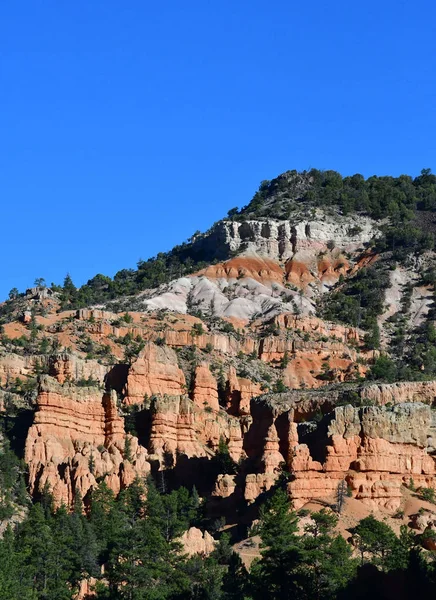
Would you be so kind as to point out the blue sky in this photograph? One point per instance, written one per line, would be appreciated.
(126, 126)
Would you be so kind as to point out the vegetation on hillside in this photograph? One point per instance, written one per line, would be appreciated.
(399, 198)
(378, 197)
(136, 538)
(359, 300)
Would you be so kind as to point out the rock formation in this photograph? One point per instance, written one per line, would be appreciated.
(375, 449)
(155, 372)
(77, 438)
(205, 393)
(195, 541)
(235, 353)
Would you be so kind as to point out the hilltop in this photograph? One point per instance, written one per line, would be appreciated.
(290, 346)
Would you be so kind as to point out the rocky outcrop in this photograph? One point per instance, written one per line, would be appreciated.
(68, 367)
(258, 483)
(13, 366)
(76, 438)
(225, 486)
(375, 449)
(279, 240)
(394, 393)
(195, 541)
(239, 393)
(179, 427)
(225, 344)
(173, 429)
(154, 372)
(205, 391)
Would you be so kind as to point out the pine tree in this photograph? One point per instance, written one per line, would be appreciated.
(235, 576)
(327, 564)
(146, 562)
(69, 291)
(105, 518)
(274, 576)
(205, 577)
(375, 540)
(15, 579)
(47, 565)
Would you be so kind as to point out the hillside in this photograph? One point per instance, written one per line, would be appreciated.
(291, 346)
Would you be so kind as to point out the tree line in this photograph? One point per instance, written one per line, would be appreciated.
(130, 545)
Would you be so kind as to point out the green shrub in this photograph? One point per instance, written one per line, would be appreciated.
(427, 494)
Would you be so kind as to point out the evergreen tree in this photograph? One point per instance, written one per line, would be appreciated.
(275, 575)
(375, 541)
(145, 562)
(235, 577)
(222, 462)
(106, 519)
(15, 576)
(47, 565)
(327, 565)
(69, 291)
(205, 577)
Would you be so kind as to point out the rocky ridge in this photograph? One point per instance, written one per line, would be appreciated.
(233, 354)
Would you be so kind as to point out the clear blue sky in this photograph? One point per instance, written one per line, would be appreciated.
(126, 126)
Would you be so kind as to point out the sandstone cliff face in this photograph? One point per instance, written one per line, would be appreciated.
(78, 434)
(155, 372)
(173, 428)
(78, 437)
(374, 449)
(68, 367)
(394, 393)
(179, 427)
(205, 393)
(239, 393)
(280, 240)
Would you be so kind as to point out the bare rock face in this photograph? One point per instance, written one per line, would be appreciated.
(375, 449)
(205, 393)
(77, 436)
(155, 372)
(223, 343)
(195, 541)
(394, 393)
(271, 458)
(173, 430)
(13, 366)
(407, 423)
(68, 367)
(225, 486)
(240, 391)
(256, 484)
(179, 427)
(263, 270)
(422, 520)
(276, 259)
(284, 239)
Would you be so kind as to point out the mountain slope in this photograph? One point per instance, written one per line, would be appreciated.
(292, 342)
